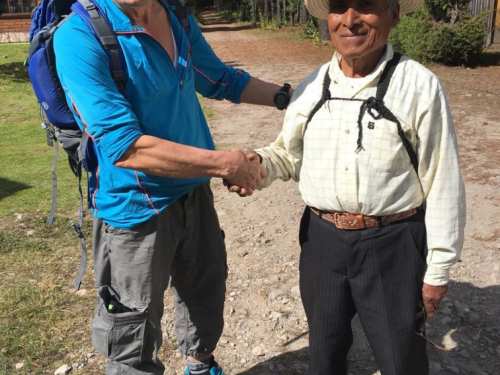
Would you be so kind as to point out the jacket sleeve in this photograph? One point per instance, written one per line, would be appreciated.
(283, 158)
(99, 108)
(213, 78)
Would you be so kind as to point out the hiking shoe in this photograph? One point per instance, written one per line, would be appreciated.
(216, 370)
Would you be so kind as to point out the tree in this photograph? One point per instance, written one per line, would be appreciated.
(323, 30)
(304, 14)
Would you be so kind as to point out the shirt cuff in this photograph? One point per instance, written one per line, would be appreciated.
(266, 164)
(437, 276)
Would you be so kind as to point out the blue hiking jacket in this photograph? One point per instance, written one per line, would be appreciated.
(159, 100)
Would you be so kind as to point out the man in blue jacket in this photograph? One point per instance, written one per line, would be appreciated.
(150, 196)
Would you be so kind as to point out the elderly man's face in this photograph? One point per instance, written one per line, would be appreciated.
(359, 28)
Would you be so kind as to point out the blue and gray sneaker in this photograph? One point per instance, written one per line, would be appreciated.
(215, 370)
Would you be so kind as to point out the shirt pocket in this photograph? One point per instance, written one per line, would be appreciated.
(387, 151)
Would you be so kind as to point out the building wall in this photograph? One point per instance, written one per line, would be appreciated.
(15, 25)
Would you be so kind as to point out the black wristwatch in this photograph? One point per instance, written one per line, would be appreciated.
(282, 97)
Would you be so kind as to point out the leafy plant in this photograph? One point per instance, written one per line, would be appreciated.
(420, 36)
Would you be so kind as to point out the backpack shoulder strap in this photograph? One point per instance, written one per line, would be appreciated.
(181, 12)
(386, 113)
(325, 95)
(385, 78)
(107, 37)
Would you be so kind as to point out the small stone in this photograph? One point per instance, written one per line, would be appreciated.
(82, 293)
(482, 356)
(242, 253)
(446, 320)
(275, 315)
(274, 294)
(63, 370)
(435, 366)
(295, 291)
(464, 354)
(258, 351)
(453, 369)
(446, 310)
(19, 365)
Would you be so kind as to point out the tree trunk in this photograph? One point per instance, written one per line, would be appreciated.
(303, 13)
(254, 12)
(323, 30)
(267, 13)
(278, 11)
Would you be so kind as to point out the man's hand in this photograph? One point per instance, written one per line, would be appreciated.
(432, 297)
(247, 173)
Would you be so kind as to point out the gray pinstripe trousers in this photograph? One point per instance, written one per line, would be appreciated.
(376, 273)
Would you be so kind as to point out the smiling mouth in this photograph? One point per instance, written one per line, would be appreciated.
(354, 35)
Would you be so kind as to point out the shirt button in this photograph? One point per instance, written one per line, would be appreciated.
(347, 131)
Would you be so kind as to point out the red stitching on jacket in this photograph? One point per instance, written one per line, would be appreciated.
(208, 78)
(145, 192)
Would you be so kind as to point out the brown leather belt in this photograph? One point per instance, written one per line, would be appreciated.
(344, 220)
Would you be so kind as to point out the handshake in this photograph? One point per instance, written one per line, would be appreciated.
(244, 172)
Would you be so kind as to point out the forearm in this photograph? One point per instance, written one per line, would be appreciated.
(260, 92)
(164, 158)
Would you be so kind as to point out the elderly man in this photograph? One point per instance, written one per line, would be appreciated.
(378, 169)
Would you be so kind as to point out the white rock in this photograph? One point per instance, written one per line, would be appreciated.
(258, 351)
(82, 293)
(295, 291)
(63, 370)
(274, 294)
(275, 315)
(19, 365)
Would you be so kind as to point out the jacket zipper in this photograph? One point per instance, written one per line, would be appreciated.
(181, 82)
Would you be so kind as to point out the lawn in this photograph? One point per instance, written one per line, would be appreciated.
(42, 322)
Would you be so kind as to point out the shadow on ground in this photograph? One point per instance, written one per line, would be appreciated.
(9, 187)
(467, 325)
(15, 72)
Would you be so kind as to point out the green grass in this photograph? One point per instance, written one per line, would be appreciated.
(43, 323)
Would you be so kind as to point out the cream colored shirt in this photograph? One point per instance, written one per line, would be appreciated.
(380, 179)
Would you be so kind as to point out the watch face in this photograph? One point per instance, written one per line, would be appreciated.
(281, 98)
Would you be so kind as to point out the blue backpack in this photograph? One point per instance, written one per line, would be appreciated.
(55, 115)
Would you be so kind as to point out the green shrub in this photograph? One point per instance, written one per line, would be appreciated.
(459, 44)
(413, 35)
(423, 39)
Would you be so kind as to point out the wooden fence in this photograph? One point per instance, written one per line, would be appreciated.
(492, 20)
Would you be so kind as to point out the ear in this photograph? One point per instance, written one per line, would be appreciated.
(394, 15)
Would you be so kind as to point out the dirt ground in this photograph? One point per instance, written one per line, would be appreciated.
(265, 326)
(265, 330)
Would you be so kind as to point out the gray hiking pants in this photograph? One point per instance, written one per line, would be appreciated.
(132, 270)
